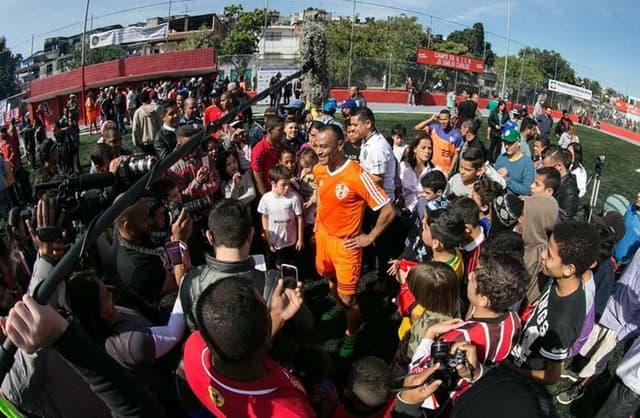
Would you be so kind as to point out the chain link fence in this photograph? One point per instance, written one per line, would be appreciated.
(380, 73)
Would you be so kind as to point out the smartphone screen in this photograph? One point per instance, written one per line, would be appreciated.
(205, 161)
(174, 253)
(288, 270)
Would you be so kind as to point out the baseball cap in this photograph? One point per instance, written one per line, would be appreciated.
(612, 220)
(330, 106)
(511, 136)
(295, 104)
(231, 86)
(349, 104)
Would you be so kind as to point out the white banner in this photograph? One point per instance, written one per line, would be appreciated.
(266, 73)
(570, 89)
(129, 35)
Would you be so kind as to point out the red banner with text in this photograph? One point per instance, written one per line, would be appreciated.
(442, 59)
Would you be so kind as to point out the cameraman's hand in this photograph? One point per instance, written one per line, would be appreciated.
(438, 329)
(181, 228)
(48, 234)
(115, 164)
(471, 354)
(31, 326)
(422, 392)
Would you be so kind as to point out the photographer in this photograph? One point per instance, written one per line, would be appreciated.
(49, 157)
(149, 281)
(495, 284)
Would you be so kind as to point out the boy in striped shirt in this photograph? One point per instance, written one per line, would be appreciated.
(497, 282)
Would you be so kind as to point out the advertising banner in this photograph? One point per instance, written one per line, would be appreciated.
(129, 35)
(442, 59)
(570, 89)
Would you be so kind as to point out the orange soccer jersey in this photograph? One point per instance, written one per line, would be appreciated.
(342, 196)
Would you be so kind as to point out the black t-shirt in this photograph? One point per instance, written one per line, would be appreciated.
(142, 273)
(350, 151)
(466, 110)
(551, 330)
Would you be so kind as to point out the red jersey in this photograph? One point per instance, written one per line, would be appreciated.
(277, 394)
(263, 157)
(493, 337)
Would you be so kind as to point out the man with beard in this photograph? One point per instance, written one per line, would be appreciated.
(145, 271)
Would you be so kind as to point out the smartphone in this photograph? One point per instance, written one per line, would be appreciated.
(205, 161)
(178, 253)
(289, 274)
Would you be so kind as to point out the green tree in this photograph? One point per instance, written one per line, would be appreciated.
(203, 38)
(8, 63)
(551, 64)
(524, 76)
(244, 30)
(473, 39)
(385, 46)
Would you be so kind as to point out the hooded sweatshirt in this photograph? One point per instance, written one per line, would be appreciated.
(540, 215)
(147, 121)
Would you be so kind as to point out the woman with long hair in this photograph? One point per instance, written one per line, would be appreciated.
(496, 122)
(577, 168)
(415, 164)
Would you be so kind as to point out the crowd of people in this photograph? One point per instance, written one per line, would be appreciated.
(214, 293)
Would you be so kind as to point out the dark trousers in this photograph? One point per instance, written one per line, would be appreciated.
(286, 255)
(621, 403)
(494, 148)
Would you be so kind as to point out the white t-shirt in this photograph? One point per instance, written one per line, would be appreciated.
(376, 156)
(398, 151)
(581, 178)
(282, 212)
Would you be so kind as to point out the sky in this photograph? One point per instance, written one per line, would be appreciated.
(596, 37)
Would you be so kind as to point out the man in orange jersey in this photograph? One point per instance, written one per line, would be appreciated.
(344, 190)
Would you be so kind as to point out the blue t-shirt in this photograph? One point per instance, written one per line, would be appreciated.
(630, 242)
(521, 173)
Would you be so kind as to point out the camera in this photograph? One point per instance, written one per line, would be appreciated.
(600, 159)
(133, 167)
(192, 207)
(447, 372)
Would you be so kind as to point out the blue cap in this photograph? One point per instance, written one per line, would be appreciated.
(330, 106)
(349, 104)
(295, 104)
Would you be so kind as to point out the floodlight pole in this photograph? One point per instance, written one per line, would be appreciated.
(506, 55)
(353, 23)
(82, 84)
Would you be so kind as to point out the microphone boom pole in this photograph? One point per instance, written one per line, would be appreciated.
(106, 218)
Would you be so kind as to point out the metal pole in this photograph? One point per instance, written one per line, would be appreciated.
(33, 36)
(82, 86)
(353, 23)
(555, 77)
(169, 20)
(506, 55)
(524, 57)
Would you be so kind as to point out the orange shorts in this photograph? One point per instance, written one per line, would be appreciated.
(333, 259)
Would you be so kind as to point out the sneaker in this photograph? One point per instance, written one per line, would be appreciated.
(348, 345)
(332, 313)
(573, 393)
(570, 375)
